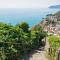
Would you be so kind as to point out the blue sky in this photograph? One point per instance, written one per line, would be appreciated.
(27, 3)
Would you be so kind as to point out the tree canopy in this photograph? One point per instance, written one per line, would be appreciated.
(17, 40)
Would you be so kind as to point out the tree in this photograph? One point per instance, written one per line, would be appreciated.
(18, 40)
(24, 26)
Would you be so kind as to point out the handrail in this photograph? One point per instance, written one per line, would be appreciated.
(10, 42)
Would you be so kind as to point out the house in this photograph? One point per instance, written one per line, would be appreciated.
(51, 17)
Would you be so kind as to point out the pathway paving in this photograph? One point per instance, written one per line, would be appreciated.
(40, 53)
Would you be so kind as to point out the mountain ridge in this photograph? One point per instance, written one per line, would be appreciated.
(54, 6)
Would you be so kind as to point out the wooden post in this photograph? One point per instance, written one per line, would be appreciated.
(58, 54)
(50, 50)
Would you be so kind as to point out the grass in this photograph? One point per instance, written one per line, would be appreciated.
(54, 42)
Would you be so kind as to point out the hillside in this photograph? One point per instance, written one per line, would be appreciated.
(58, 13)
(55, 6)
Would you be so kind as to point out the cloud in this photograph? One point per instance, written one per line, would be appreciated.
(27, 3)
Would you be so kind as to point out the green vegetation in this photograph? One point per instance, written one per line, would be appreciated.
(58, 13)
(58, 17)
(54, 41)
(54, 45)
(17, 40)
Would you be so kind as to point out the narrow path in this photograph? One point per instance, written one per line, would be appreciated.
(39, 54)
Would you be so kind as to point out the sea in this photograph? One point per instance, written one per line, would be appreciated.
(32, 16)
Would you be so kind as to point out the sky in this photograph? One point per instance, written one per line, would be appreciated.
(27, 3)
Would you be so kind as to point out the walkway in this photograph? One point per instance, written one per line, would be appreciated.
(39, 54)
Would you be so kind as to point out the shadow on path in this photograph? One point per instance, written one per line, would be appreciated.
(37, 54)
(30, 55)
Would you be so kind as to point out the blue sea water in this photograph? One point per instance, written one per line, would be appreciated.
(30, 15)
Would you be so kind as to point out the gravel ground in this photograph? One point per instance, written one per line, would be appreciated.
(39, 54)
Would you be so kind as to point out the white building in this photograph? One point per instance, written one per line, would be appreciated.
(52, 17)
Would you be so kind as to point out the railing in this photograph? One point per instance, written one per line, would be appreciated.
(53, 54)
(2, 49)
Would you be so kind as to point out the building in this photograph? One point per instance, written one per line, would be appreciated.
(51, 17)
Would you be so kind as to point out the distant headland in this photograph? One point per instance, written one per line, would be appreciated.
(54, 6)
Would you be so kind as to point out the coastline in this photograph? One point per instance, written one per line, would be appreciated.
(32, 17)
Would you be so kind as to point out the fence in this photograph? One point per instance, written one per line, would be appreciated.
(53, 53)
(2, 51)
